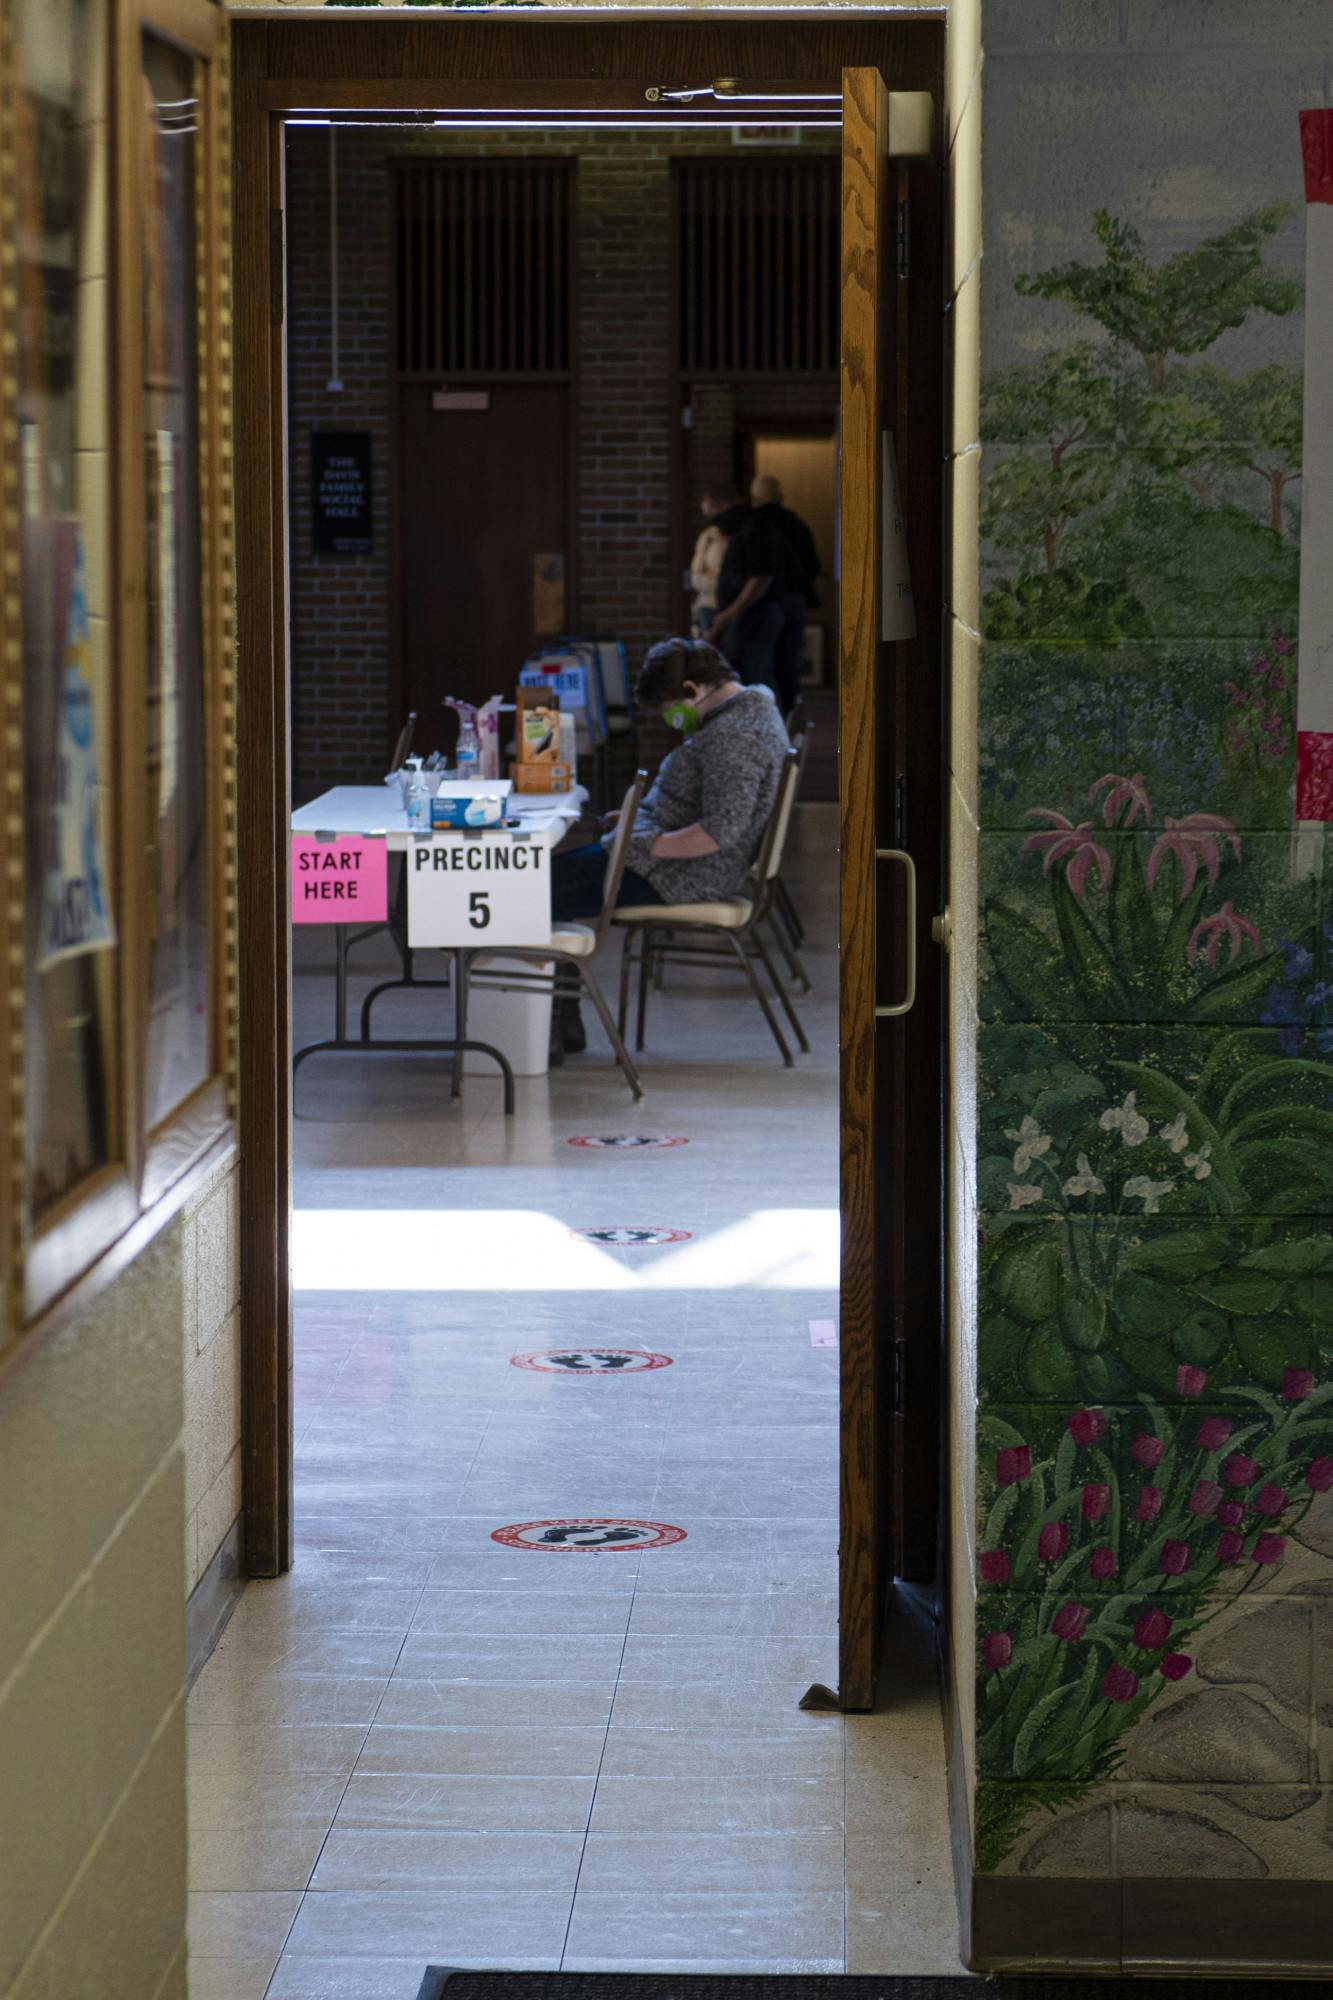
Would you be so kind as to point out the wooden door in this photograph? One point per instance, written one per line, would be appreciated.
(868, 759)
(483, 539)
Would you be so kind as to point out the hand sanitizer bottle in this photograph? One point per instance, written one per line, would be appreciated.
(416, 798)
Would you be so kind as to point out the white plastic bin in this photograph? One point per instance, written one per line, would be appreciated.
(518, 1024)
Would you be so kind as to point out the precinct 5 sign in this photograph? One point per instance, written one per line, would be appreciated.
(468, 890)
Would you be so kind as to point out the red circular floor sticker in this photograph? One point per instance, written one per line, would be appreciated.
(623, 1236)
(591, 1360)
(628, 1142)
(588, 1534)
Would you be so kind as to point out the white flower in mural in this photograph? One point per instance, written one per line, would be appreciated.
(1147, 1191)
(1176, 1134)
(1032, 1142)
(1200, 1163)
(1021, 1195)
(1129, 1123)
(1084, 1181)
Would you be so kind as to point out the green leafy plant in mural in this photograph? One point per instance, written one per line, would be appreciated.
(1089, 1155)
(1104, 1550)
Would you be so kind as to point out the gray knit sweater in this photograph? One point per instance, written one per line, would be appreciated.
(725, 776)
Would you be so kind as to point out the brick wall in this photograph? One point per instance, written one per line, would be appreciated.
(627, 549)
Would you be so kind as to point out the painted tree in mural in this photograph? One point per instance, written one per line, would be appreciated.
(1181, 306)
(1162, 444)
(1156, 1160)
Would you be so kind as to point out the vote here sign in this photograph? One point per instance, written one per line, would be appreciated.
(339, 881)
(478, 889)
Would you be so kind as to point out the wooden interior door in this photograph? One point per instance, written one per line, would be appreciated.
(870, 938)
(483, 542)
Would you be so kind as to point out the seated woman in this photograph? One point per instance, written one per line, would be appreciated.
(702, 819)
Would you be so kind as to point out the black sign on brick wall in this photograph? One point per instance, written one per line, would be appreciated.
(340, 493)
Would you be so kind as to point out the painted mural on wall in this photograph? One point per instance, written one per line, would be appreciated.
(1155, 1166)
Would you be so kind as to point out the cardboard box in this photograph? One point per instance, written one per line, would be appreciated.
(542, 777)
(537, 727)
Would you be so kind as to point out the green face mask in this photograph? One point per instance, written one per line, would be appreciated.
(681, 715)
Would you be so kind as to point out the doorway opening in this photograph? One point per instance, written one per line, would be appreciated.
(461, 1275)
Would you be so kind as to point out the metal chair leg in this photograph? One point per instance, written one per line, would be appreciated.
(790, 915)
(747, 967)
(645, 977)
(626, 960)
(789, 952)
(594, 993)
(784, 998)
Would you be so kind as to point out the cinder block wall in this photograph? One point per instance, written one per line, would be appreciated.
(624, 582)
(92, 1648)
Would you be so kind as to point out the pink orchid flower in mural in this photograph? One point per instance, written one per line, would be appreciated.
(1148, 1505)
(1297, 1384)
(1230, 1547)
(1240, 1469)
(997, 1649)
(1063, 840)
(1214, 1432)
(1205, 1496)
(1191, 841)
(1103, 1563)
(1175, 1666)
(1087, 1426)
(1120, 1684)
(1269, 1548)
(1319, 1478)
(1124, 792)
(1190, 1381)
(1271, 1500)
(994, 1566)
(1231, 1513)
(1175, 1558)
(1052, 1541)
(1096, 1501)
(1210, 931)
(1147, 1450)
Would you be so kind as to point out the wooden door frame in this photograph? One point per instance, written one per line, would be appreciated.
(315, 63)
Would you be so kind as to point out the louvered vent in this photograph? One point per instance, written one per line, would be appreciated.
(483, 267)
(758, 263)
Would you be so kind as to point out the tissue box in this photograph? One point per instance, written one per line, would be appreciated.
(469, 802)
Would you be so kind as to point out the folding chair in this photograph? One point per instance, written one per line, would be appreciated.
(572, 946)
(783, 918)
(403, 748)
(723, 933)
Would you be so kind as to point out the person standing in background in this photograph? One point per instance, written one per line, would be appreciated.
(706, 562)
(748, 622)
(794, 584)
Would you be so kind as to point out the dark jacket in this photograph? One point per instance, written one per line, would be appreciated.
(798, 558)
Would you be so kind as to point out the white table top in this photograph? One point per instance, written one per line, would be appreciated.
(379, 809)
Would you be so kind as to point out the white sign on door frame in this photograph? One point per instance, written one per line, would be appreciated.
(477, 890)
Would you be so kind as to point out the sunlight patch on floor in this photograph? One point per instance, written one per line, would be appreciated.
(524, 1250)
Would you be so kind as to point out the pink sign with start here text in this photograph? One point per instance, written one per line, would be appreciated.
(340, 881)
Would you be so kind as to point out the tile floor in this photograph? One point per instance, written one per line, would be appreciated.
(423, 1746)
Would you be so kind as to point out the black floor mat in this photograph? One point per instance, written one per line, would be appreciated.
(441, 1984)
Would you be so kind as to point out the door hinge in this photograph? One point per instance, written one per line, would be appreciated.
(904, 238)
(276, 266)
(899, 1378)
(687, 417)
